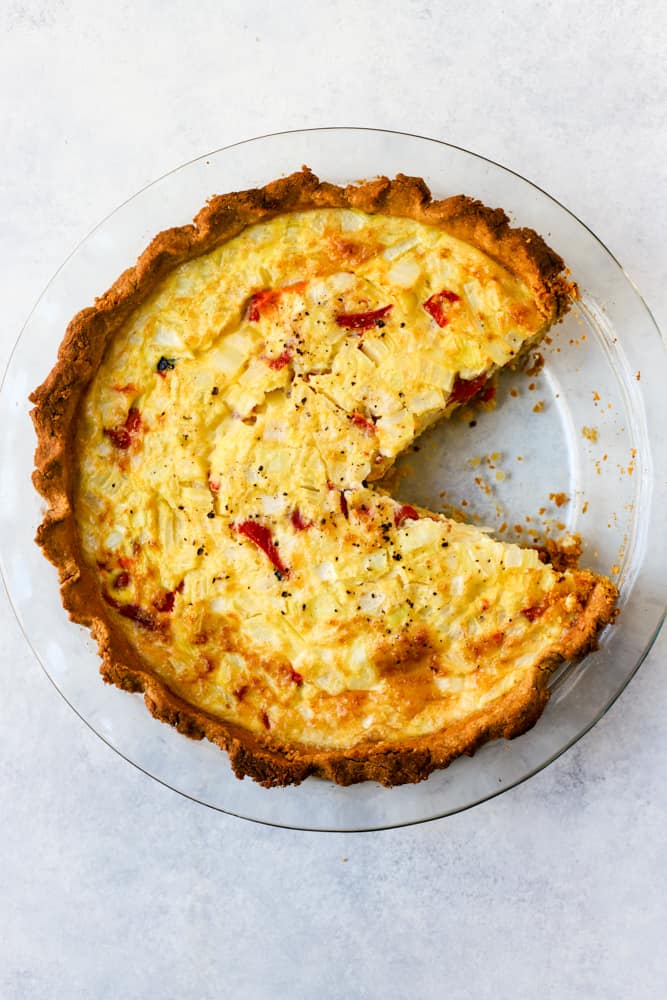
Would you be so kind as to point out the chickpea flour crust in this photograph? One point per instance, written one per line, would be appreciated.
(134, 638)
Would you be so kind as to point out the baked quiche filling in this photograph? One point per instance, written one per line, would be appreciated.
(227, 488)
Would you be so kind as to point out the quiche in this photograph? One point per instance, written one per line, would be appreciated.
(212, 447)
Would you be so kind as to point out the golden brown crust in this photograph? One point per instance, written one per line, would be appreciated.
(57, 400)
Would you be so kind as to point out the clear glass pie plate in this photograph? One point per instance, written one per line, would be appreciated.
(588, 426)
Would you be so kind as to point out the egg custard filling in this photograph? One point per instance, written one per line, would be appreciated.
(226, 487)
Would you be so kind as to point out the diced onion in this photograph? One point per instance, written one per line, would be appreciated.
(404, 272)
(497, 351)
(272, 505)
(325, 571)
(317, 291)
(371, 602)
(396, 249)
(342, 281)
(513, 557)
(351, 221)
(113, 540)
(164, 337)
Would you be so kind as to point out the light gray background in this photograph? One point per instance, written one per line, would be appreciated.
(112, 886)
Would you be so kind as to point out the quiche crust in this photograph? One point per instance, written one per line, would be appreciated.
(55, 415)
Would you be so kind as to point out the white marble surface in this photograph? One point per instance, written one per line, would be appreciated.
(114, 886)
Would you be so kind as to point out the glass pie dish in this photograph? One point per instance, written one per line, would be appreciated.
(572, 447)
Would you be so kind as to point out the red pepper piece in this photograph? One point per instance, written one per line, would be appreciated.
(359, 420)
(122, 437)
(267, 298)
(214, 485)
(207, 664)
(166, 602)
(138, 615)
(488, 393)
(362, 320)
(298, 522)
(261, 301)
(532, 614)
(261, 536)
(405, 513)
(133, 422)
(437, 305)
(134, 613)
(343, 504)
(122, 580)
(280, 362)
(296, 677)
(465, 389)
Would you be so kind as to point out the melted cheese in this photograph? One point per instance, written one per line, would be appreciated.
(227, 455)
